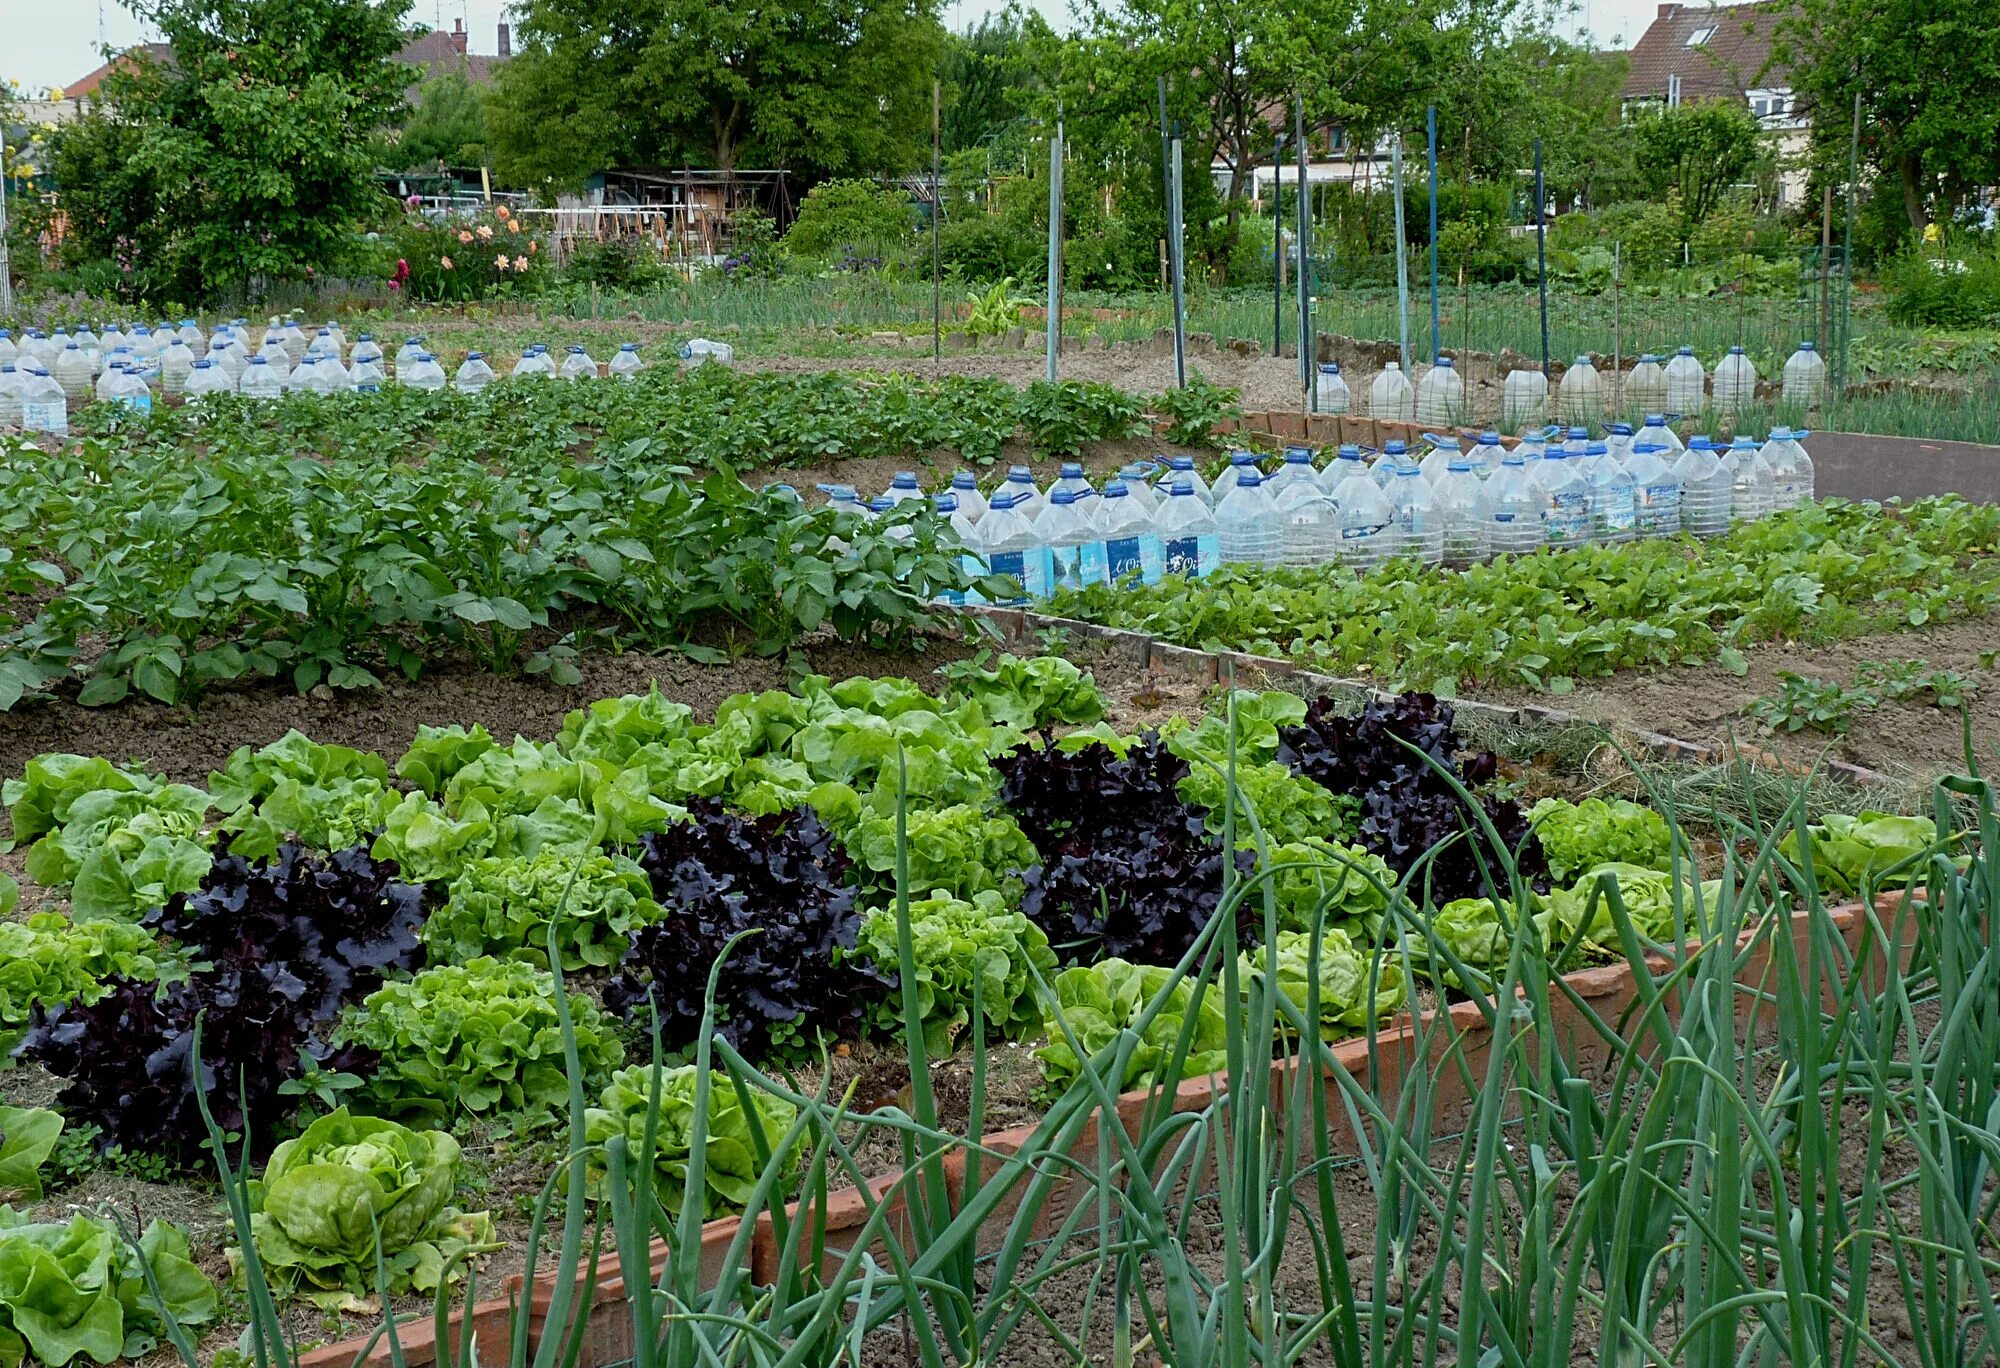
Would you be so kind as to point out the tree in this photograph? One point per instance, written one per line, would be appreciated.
(827, 87)
(1698, 149)
(1928, 73)
(993, 74)
(448, 125)
(252, 151)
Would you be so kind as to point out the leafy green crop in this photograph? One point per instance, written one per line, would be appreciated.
(481, 1036)
(731, 1163)
(503, 906)
(1335, 882)
(1343, 971)
(329, 797)
(955, 944)
(1827, 706)
(957, 850)
(328, 1195)
(1850, 852)
(1576, 836)
(123, 840)
(80, 1289)
(1102, 1001)
(27, 1137)
(49, 959)
(1028, 693)
(1289, 807)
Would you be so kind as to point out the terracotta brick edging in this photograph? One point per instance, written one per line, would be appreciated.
(1608, 992)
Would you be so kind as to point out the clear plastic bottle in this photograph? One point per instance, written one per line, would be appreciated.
(946, 507)
(1028, 500)
(1126, 528)
(10, 394)
(1751, 486)
(1441, 395)
(1735, 382)
(1182, 468)
(1421, 532)
(1395, 455)
(8, 350)
(1444, 450)
(903, 488)
(230, 356)
(1390, 396)
(365, 349)
(1618, 437)
(1656, 491)
(1239, 462)
(578, 365)
(191, 334)
(1646, 386)
(1330, 390)
(294, 340)
(1463, 512)
(86, 340)
(262, 380)
(423, 373)
(1565, 501)
(1369, 534)
(1071, 478)
(118, 361)
(1655, 430)
(1246, 523)
(473, 374)
(626, 364)
(366, 375)
(207, 377)
(1533, 444)
(1580, 396)
(321, 344)
(1686, 381)
(1008, 547)
(274, 355)
(221, 336)
(333, 329)
(1308, 525)
(1791, 470)
(1189, 542)
(1524, 400)
(175, 363)
(131, 391)
(1805, 377)
(44, 406)
(1138, 477)
(971, 503)
(530, 364)
(1513, 508)
(74, 372)
(844, 499)
(1706, 491)
(320, 374)
(1614, 511)
(1487, 454)
(1069, 545)
(1296, 468)
(1348, 459)
(406, 355)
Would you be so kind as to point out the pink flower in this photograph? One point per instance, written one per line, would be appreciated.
(464, 236)
(484, 231)
(412, 201)
(520, 263)
(445, 262)
(500, 262)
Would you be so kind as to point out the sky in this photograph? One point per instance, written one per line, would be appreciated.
(50, 42)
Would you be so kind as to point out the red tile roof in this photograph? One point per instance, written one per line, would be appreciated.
(436, 50)
(1730, 61)
(89, 84)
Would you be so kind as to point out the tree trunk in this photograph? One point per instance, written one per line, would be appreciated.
(1910, 171)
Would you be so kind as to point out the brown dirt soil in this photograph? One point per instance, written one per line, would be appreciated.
(1704, 703)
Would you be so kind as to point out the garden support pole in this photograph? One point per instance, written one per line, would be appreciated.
(1402, 255)
(1306, 346)
(1847, 259)
(937, 213)
(6, 267)
(1542, 254)
(1277, 245)
(1166, 186)
(1431, 138)
(1055, 246)
(1177, 264)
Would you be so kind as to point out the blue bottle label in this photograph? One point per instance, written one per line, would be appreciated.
(1568, 517)
(1063, 566)
(1094, 564)
(1195, 557)
(1025, 567)
(138, 403)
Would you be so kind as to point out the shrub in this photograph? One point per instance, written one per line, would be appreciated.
(616, 263)
(1959, 288)
(452, 260)
(853, 214)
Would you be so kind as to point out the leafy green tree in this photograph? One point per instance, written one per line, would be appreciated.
(1698, 150)
(1928, 73)
(252, 152)
(993, 74)
(447, 125)
(828, 87)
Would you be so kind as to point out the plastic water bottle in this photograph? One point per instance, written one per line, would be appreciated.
(1751, 486)
(261, 380)
(1329, 390)
(207, 377)
(1706, 491)
(329, 376)
(1513, 508)
(903, 488)
(1805, 377)
(1735, 382)
(191, 335)
(1308, 525)
(8, 350)
(1347, 460)
(423, 373)
(274, 355)
(971, 503)
(1395, 455)
(219, 336)
(1296, 468)
(1444, 450)
(406, 355)
(321, 343)
(473, 374)
(74, 372)
(1655, 430)
(578, 365)
(1488, 455)
(107, 380)
(1565, 500)
(1369, 534)
(1463, 512)
(1239, 462)
(1420, 531)
(1125, 526)
(365, 349)
(1533, 444)
(1028, 500)
(294, 339)
(1791, 470)
(131, 391)
(1656, 491)
(1614, 511)
(701, 351)
(626, 364)
(1070, 548)
(1246, 523)
(844, 499)
(366, 375)
(1182, 468)
(1390, 396)
(1189, 541)
(1441, 394)
(946, 507)
(86, 340)
(1138, 478)
(1524, 400)
(1685, 382)
(44, 406)
(1009, 547)
(530, 364)
(339, 337)
(1070, 477)
(1646, 386)
(175, 363)
(1580, 396)
(1618, 437)
(10, 394)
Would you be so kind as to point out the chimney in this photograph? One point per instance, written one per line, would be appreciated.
(1666, 11)
(506, 42)
(458, 34)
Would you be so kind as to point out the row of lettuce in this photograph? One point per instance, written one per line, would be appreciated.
(360, 953)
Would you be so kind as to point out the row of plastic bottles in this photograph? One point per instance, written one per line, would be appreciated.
(1453, 507)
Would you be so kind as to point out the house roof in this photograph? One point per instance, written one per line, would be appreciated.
(1729, 60)
(433, 49)
(88, 84)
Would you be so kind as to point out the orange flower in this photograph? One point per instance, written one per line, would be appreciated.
(500, 212)
(520, 263)
(484, 231)
(534, 246)
(500, 262)
(445, 262)
(513, 227)
(464, 236)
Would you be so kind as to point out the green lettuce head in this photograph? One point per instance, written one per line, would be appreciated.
(730, 1165)
(1101, 1001)
(1343, 970)
(1849, 852)
(326, 1195)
